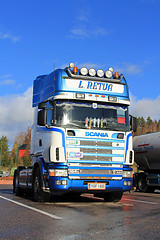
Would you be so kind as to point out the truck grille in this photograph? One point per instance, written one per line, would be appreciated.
(88, 153)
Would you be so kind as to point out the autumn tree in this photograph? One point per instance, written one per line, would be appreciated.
(20, 139)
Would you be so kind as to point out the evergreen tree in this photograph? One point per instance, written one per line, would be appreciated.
(4, 152)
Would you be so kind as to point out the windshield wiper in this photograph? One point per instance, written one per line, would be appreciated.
(76, 125)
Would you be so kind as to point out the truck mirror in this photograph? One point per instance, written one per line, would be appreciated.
(133, 123)
(42, 105)
(42, 117)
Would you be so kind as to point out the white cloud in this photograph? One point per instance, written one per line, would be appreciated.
(85, 32)
(7, 82)
(130, 68)
(15, 114)
(145, 107)
(9, 36)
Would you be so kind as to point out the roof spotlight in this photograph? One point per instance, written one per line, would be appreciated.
(100, 73)
(84, 71)
(108, 73)
(92, 72)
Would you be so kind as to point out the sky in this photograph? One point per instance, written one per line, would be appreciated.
(38, 36)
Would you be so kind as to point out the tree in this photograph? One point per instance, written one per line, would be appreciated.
(20, 139)
(4, 151)
(142, 122)
(149, 121)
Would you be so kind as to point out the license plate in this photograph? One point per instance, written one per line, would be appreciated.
(96, 186)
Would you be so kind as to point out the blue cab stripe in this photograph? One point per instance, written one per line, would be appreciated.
(95, 175)
(103, 155)
(96, 147)
(95, 162)
(95, 139)
(95, 168)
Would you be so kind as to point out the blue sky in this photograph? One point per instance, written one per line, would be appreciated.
(36, 36)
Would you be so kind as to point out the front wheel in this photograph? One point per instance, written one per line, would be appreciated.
(37, 191)
(113, 196)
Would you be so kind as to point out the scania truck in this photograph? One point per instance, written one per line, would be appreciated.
(81, 139)
(147, 157)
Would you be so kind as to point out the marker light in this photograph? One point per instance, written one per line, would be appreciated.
(75, 70)
(111, 69)
(71, 65)
(84, 71)
(100, 73)
(116, 75)
(108, 74)
(92, 72)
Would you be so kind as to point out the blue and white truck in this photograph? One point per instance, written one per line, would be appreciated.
(81, 139)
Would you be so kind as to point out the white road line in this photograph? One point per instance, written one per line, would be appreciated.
(32, 208)
(140, 201)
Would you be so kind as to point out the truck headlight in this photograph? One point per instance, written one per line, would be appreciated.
(58, 172)
(127, 174)
(61, 173)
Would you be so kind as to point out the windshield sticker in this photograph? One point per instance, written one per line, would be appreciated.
(94, 105)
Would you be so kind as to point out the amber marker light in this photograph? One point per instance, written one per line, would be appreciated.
(51, 173)
(116, 75)
(75, 70)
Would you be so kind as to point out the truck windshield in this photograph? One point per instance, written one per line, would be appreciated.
(91, 115)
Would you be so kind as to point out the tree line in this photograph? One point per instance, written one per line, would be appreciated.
(10, 158)
(148, 125)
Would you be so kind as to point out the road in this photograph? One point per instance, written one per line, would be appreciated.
(136, 216)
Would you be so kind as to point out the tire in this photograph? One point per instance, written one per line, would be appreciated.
(113, 196)
(16, 189)
(37, 187)
(142, 183)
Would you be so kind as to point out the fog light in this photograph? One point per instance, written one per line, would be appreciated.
(58, 182)
(64, 182)
(125, 183)
(129, 183)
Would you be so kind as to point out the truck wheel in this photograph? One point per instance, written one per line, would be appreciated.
(142, 184)
(113, 196)
(37, 191)
(16, 188)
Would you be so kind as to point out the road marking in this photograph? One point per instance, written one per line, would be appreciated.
(31, 208)
(133, 200)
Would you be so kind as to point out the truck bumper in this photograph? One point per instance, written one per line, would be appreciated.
(64, 185)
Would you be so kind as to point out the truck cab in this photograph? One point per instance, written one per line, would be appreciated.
(81, 134)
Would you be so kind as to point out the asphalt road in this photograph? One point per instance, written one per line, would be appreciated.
(136, 216)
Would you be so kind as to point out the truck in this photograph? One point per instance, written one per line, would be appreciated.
(81, 137)
(147, 157)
